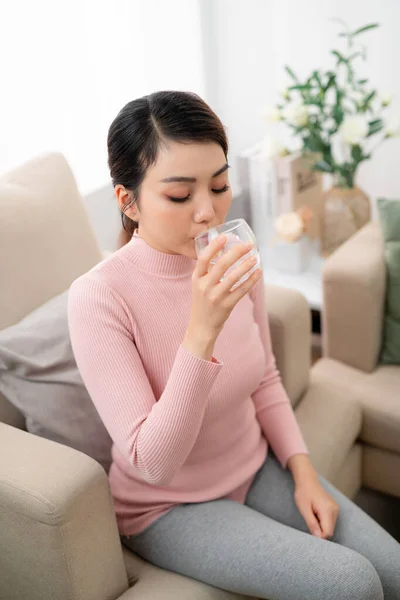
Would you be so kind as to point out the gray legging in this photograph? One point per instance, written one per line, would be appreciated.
(263, 548)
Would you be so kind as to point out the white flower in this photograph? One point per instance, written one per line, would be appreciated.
(392, 128)
(312, 109)
(386, 98)
(289, 226)
(329, 124)
(354, 129)
(272, 113)
(296, 113)
(272, 147)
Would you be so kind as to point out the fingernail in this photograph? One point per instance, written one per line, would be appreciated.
(317, 533)
(221, 238)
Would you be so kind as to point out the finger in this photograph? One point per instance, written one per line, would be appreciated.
(236, 274)
(311, 521)
(228, 260)
(327, 518)
(211, 250)
(244, 287)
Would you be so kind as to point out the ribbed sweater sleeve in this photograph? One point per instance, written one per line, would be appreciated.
(273, 407)
(155, 435)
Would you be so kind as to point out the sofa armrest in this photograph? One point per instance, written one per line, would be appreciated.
(59, 536)
(354, 285)
(290, 326)
(330, 420)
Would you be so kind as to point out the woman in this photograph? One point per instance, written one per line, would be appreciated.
(211, 477)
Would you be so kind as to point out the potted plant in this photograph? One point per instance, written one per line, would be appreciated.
(338, 119)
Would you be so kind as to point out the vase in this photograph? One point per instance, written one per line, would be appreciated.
(292, 257)
(345, 211)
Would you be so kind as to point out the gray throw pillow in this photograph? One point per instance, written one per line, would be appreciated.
(39, 375)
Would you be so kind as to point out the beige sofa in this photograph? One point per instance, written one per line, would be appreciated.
(58, 531)
(354, 284)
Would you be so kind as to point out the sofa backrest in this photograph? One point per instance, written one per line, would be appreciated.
(354, 285)
(46, 240)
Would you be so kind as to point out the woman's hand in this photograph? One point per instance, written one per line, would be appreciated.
(317, 507)
(212, 299)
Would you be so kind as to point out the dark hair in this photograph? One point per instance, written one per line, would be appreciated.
(142, 125)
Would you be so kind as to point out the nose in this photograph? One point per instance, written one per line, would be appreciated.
(204, 211)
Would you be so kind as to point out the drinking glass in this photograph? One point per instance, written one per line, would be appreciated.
(237, 232)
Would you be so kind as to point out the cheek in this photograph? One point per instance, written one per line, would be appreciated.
(222, 205)
(175, 218)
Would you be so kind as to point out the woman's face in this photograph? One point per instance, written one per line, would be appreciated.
(186, 192)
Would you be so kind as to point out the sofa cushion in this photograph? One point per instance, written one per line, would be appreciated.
(378, 394)
(39, 376)
(46, 238)
(389, 215)
(149, 581)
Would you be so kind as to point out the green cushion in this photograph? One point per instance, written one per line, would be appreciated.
(389, 215)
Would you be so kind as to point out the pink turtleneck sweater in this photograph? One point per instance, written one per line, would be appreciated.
(184, 429)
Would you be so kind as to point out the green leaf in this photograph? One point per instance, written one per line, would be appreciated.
(313, 144)
(339, 56)
(368, 99)
(356, 153)
(374, 126)
(300, 87)
(337, 114)
(291, 73)
(331, 81)
(362, 81)
(317, 79)
(365, 28)
(323, 166)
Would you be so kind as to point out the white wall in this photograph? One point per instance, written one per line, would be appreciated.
(256, 38)
(69, 67)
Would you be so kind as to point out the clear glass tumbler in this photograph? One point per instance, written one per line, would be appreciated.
(237, 232)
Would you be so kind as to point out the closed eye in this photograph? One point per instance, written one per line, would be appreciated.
(216, 191)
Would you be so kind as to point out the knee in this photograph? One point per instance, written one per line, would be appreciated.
(359, 580)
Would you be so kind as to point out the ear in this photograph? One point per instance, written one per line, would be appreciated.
(124, 199)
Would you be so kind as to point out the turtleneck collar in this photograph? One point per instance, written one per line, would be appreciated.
(148, 259)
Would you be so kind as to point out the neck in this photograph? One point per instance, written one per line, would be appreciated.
(151, 260)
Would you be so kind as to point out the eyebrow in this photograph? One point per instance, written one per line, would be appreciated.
(193, 179)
